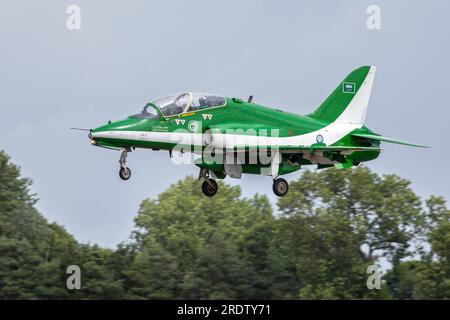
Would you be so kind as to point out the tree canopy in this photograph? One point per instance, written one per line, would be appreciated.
(317, 244)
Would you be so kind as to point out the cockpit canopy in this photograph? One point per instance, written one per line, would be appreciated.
(180, 103)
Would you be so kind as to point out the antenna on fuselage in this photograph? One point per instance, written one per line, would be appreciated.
(250, 99)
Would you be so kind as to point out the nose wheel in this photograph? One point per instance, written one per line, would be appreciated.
(124, 171)
(280, 187)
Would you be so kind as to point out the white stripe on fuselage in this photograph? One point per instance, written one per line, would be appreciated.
(331, 133)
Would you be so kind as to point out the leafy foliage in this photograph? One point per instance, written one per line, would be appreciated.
(330, 228)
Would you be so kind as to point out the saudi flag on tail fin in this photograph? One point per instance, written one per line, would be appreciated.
(348, 102)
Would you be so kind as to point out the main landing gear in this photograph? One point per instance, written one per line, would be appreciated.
(280, 187)
(124, 171)
(209, 186)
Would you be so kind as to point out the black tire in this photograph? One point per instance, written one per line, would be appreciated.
(280, 187)
(209, 187)
(124, 173)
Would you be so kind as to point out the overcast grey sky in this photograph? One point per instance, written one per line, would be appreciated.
(288, 54)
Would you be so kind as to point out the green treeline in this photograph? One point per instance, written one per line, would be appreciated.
(332, 225)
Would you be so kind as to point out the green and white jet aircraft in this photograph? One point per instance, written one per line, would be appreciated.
(231, 136)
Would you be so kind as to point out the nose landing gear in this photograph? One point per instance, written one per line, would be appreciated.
(124, 171)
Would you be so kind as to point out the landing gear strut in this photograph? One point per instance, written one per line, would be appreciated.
(124, 171)
(280, 187)
(209, 186)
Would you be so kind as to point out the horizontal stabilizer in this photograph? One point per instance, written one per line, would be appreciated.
(385, 139)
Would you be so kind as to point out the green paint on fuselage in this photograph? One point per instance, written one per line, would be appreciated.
(238, 115)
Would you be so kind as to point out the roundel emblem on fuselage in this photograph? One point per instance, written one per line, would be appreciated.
(193, 126)
(319, 138)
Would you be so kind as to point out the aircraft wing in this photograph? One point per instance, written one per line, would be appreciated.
(386, 139)
(312, 148)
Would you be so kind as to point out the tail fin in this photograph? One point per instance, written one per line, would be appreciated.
(348, 102)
